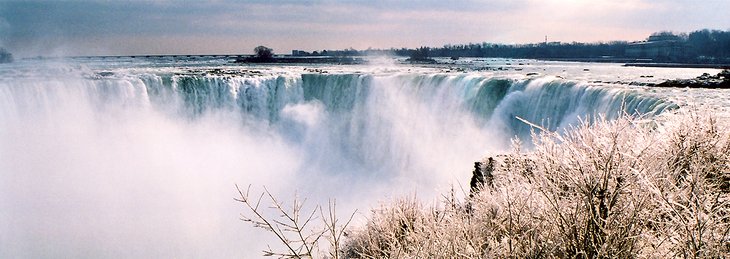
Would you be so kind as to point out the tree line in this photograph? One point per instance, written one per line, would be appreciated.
(701, 46)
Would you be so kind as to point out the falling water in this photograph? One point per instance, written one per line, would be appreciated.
(142, 163)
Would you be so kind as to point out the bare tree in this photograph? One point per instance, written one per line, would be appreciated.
(295, 228)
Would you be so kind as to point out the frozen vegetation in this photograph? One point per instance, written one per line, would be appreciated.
(623, 188)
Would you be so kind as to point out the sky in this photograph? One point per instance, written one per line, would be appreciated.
(109, 27)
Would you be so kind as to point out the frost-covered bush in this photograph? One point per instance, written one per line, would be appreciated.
(623, 188)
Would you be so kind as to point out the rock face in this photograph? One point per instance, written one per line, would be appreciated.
(721, 80)
(482, 176)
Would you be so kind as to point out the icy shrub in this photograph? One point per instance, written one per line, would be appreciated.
(623, 188)
(689, 184)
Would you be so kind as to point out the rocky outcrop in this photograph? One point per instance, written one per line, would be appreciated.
(721, 80)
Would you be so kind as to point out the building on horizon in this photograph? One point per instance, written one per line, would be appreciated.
(300, 53)
(661, 48)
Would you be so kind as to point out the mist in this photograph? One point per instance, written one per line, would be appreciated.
(129, 158)
(98, 168)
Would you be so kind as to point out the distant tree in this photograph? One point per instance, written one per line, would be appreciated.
(264, 53)
(667, 34)
(702, 46)
(5, 56)
(710, 45)
(421, 54)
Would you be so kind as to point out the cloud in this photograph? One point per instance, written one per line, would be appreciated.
(4, 28)
(32, 26)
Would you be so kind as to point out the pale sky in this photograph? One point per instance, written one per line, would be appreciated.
(109, 27)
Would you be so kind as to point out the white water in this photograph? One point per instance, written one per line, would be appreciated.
(142, 162)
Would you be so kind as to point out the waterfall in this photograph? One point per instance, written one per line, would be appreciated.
(143, 164)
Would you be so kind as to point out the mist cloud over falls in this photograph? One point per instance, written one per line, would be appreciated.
(144, 165)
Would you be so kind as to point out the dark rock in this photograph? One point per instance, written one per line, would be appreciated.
(421, 60)
(719, 81)
(724, 74)
(477, 179)
(482, 176)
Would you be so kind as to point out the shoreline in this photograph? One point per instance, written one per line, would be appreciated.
(352, 60)
(640, 63)
(678, 65)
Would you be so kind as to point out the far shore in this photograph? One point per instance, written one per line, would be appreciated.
(679, 65)
(349, 60)
(640, 62)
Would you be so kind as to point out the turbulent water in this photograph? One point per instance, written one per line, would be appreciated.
(138, 158)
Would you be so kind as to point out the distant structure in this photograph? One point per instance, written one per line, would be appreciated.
(300, 53)
(658, 47)
(5, 56)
